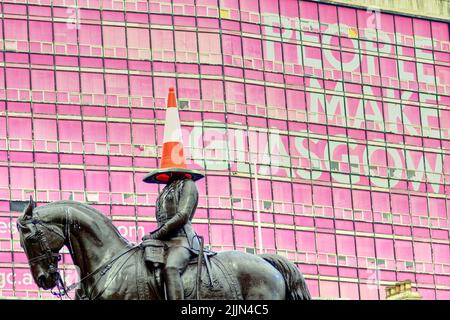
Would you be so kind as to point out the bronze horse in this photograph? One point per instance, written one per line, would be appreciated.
(112, 268)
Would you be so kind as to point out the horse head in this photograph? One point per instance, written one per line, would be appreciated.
(41, 242)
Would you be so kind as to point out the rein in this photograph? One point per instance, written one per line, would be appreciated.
(104, 268)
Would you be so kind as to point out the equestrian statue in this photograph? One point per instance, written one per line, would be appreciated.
(170, 263)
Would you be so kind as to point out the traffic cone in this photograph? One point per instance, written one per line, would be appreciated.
(173, 162)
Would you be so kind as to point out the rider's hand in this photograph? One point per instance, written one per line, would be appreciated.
(150, 236)
(154, 236)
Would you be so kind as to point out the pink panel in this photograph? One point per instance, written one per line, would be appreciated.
(17, 78)
(212, 90)
(361, 199)
(72, 180)
(94, 131)
(22, 178)
(67, 81)
(289, 8)
(235, 92)
(138, 38)
(403, 250)
(162, 39)
(436, 207)
(418, 206)
(268, 7)
(218, 186)
(345, 245)
(322, 195)
(308, 10)
(62, 34)
(69, 130)
(285, 240)
(15, 29)
(400, 203)
(443, 295)
(252, 48)
(342, 198)
(121, 182)
(281, 191)
(114, 36)
(42, 80)
(368, 292)
(441, 253)
(221, 235)
(40, 31)
(47, 179)
(209, 44)
(4, 176)
(97, 181)
(116, 84)
(268, 238)
(349, 291)
(241, 187)
(422, 252)
(302, 193)
(140, 86)
(328, 15)
(143, 134)
(328, 289)
(365, 247)
(244, 236)
(264, 188)
(44, 129)
(325, 243)
(384, 248)
(91, 83)
(19, 128)
(119, 133)
(380, 202)
(90, 35)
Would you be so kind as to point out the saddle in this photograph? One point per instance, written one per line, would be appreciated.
(218, 279)
(155, 253)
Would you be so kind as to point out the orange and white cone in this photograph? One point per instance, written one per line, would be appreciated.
(172, 161)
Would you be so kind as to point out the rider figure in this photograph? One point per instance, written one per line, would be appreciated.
(176, 204)
(175, 208)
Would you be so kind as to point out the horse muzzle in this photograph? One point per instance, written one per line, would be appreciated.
(47, 281)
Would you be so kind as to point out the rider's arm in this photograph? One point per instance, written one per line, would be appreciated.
(187, 203)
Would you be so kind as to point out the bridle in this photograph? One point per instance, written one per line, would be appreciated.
(52, 258)
(48, 255)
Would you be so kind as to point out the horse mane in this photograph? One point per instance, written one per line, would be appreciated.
(72, 203)
(79, 205)
(83, 208)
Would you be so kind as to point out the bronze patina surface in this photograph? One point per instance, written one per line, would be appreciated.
(112, 268)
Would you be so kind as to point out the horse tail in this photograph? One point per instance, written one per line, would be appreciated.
(296, 288)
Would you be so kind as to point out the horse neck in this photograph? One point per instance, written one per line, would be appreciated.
(92, 239)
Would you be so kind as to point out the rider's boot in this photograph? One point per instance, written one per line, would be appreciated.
(174, 285)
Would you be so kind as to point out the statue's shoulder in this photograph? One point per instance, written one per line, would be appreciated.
(188, 185)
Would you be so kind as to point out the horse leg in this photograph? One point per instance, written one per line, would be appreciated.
(177, 259)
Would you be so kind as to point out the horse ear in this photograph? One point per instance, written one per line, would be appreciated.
(29, 210)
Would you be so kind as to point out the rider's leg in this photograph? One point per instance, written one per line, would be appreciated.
(177, 260)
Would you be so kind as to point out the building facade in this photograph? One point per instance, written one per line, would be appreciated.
(323, 130)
